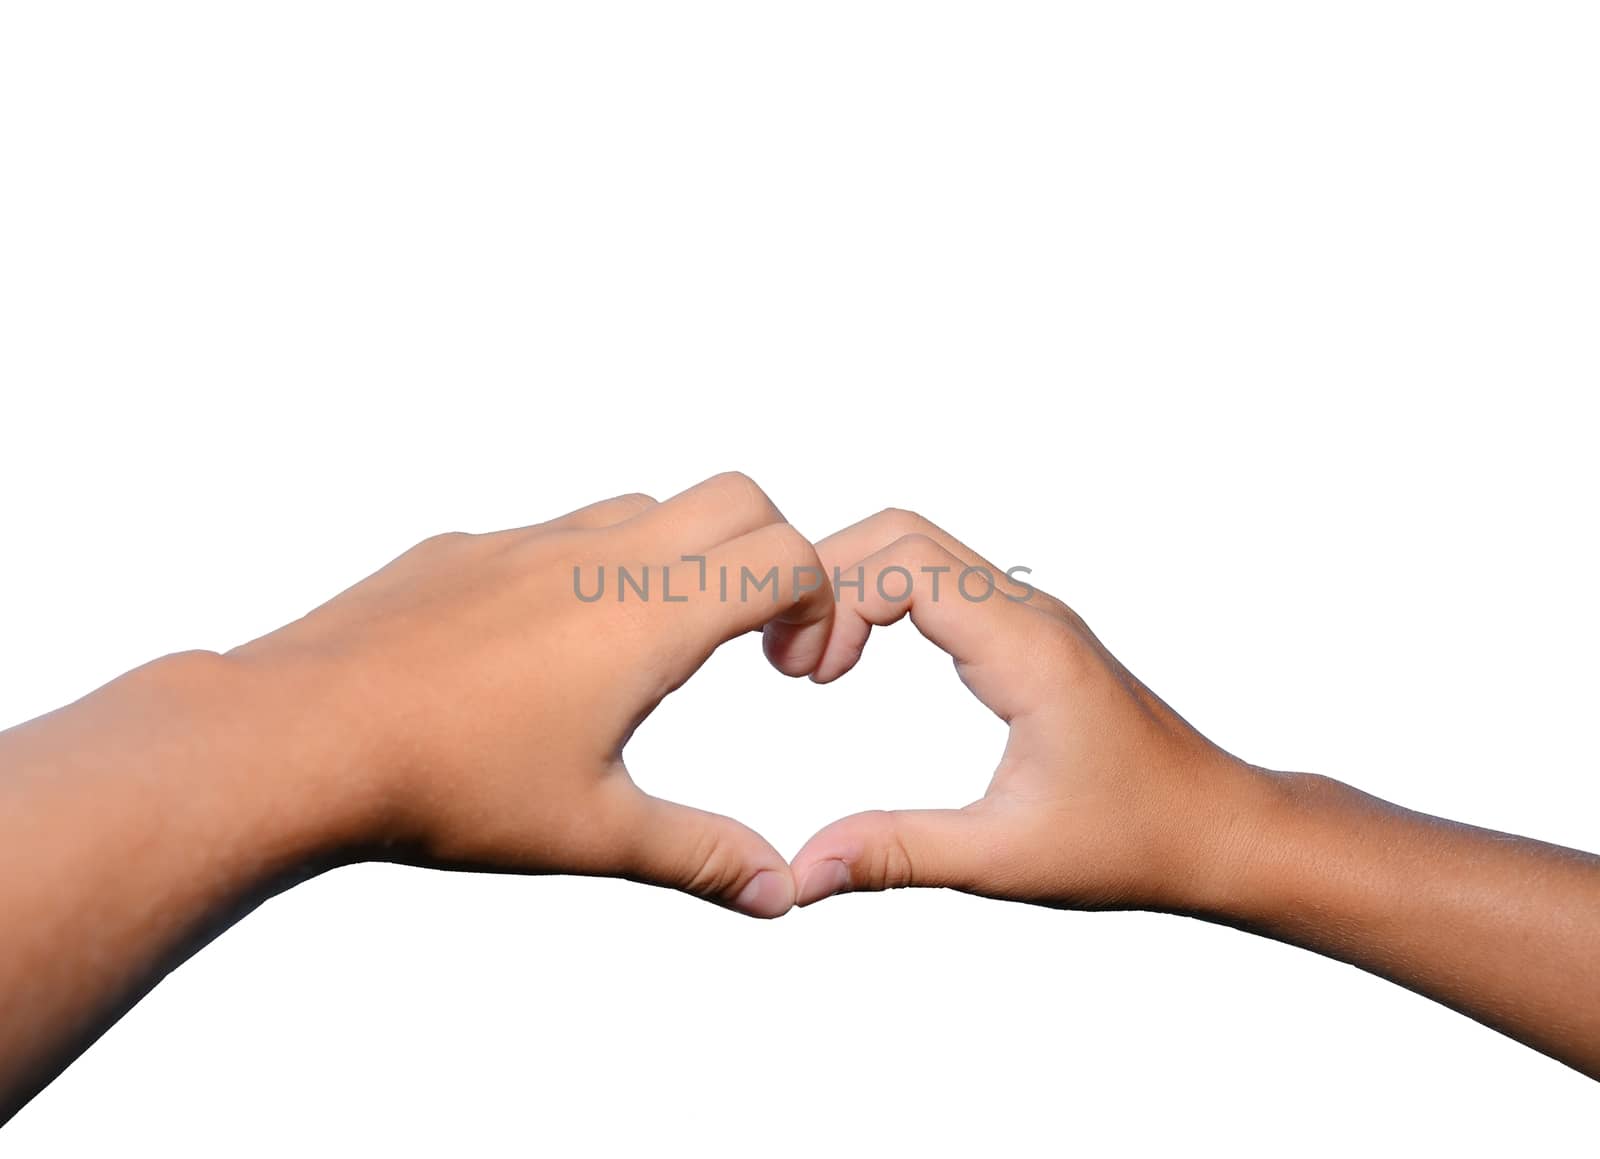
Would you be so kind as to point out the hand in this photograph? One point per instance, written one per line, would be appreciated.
(1107, 799)
(485, 705)
(1104, 797)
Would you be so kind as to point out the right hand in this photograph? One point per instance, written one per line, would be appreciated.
(1104, 797)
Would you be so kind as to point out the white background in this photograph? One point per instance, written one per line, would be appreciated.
(1266, 334)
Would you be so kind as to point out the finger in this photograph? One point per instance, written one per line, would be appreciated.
(770, 575)
(606, 513)
(987, 636)
(721, 508)
(859, 540)
(707, 855)
(951, 848)
(842, 551)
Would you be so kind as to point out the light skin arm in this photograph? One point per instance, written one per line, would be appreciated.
(461, 708)
(1105, 798)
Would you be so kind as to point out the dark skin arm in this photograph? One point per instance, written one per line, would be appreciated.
(1106, 798)
(452, 710)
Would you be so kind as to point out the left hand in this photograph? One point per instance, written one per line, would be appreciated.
(479, 707)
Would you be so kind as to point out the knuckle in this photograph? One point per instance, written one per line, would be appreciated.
(791, 545)
(637, 500)
(902, 520)
(779, 544)
(738, 492)
(715, 868)
(740, 486)
(917, 545)
(1061, 651)
(444, 541)
(890, 865)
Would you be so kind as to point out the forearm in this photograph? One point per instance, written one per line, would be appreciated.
(1502, 928)
(458, 707)
(133, 825)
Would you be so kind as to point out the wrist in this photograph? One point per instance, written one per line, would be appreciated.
(266, 749)
(1231, 862)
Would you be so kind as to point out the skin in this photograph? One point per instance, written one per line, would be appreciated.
(461, 708)
(1105, 798)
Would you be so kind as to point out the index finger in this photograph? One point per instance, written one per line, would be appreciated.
(769, 576)
(986, 634)
(848, 545)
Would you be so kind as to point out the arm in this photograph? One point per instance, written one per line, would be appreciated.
(462, 707)
(1105, 798)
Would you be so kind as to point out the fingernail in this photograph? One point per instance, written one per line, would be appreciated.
(825, 879)
(766, 895)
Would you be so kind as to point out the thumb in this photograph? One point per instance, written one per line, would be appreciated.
(708, 855)
(879, 850)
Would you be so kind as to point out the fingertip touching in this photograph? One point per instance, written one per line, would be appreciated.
(708, 855)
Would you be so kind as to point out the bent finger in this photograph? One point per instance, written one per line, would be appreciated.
(918, 577)
(721, 508)
(859, 540)
(768, 576)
